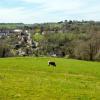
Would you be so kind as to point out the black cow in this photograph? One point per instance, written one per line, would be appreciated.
(51, 63)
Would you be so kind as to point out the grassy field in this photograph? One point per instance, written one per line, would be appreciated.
(32, 79)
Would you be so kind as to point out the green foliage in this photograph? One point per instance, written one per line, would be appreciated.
(11, 25)
(75, 39)
(38, 37)
(5, 50)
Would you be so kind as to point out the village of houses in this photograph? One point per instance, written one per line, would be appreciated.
(23, 37)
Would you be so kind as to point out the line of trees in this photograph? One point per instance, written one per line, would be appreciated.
(84, 47)
(73, 39)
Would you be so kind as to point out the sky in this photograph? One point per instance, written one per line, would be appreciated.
(40, 11)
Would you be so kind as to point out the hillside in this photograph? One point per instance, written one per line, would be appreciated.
(74, 39)
(27, 78)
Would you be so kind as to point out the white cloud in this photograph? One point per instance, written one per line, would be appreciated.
(50, 10)
(62, 5)
(34, 1)
(57, 5)
(14, 15)
(21, 14)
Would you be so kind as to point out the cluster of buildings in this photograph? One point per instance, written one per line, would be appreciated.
(24, 42)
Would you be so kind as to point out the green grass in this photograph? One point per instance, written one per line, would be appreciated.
(32, 79)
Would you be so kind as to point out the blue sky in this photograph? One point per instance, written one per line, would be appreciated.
(39, 11)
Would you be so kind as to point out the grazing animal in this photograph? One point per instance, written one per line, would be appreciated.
(51, 63)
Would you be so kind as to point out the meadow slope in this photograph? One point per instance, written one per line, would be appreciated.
(27, 78)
